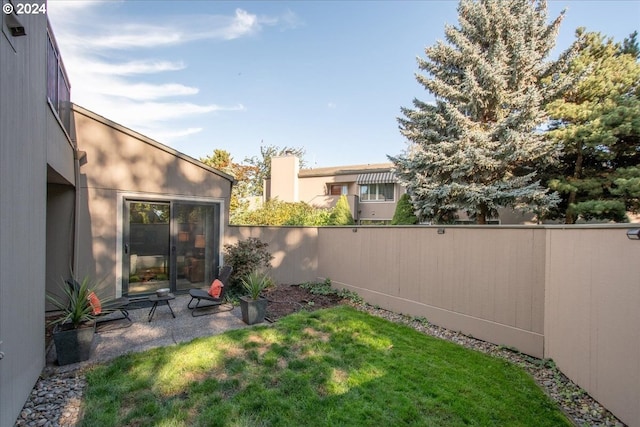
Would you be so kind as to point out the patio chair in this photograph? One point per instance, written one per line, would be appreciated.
(103, 309)
(209, 296)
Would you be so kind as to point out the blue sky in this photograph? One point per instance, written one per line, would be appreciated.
(329, 77)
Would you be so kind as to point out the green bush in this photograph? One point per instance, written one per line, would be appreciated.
(246, 256)
(404, 212)
(276, 212)
(341, 213)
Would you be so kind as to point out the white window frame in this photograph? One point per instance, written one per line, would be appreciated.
(379, 198)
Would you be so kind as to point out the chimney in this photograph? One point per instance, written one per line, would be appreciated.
(284, 177)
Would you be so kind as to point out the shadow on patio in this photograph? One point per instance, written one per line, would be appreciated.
(118, 337)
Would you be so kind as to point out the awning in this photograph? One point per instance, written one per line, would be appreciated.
(376, 178)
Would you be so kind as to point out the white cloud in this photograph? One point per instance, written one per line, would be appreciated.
(290, 20)
(145, 91)
(171, 135)
(243, 23)
(135, 36)
(173, 30)
(106, 57)
(132, 67)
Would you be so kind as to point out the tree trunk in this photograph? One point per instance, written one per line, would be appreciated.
(482, 215)
(570, 217)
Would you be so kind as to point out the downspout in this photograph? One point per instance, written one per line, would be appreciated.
(78, 158)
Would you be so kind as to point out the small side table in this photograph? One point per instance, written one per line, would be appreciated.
(155, 299)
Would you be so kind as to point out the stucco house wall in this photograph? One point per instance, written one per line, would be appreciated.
(313, 186)
(32, 158)
(121, 163)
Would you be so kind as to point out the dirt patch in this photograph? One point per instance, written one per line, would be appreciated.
(287, 299)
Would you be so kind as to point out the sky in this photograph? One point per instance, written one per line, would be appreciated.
(328, 77)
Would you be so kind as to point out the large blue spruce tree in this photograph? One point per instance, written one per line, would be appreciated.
(477, 146)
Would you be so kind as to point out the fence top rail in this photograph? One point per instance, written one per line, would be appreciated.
(482, 227)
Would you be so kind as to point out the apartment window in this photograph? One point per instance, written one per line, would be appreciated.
(338, 189)
(376, 193)
(58, 89)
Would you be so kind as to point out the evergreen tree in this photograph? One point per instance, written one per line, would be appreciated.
(476, 147)
(341, 213)
(596, 125)
(404, 212)
(630, 45)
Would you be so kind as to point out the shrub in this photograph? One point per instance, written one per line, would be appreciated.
(246, 256)
(276, 212)
(404, 212)
(341, 214)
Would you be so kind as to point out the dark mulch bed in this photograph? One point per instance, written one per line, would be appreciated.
(287, 299)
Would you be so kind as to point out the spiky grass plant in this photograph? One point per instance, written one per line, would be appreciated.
(74, 303)
(255, 282)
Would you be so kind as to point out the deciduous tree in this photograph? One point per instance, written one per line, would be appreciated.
(261, 165)
(222, 160)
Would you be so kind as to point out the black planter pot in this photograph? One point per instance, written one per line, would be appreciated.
(253, 311)
(73, 345)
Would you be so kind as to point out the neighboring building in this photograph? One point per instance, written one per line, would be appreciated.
(82, 194)
(372, 190)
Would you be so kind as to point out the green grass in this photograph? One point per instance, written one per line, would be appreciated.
(335, 367)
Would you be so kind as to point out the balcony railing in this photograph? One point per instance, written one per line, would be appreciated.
(58, 88)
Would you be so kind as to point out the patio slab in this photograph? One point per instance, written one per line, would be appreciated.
(119, 337)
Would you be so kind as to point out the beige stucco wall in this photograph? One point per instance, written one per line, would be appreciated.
(121, 163)
(567, 293)
(313, 188)
(592, 323)
(284, 176)
(60, 236)
(482, 281)
(27, 127)
(295, 250)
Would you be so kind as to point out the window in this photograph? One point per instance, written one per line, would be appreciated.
(376, 193)
(58, 90)
(338, 189)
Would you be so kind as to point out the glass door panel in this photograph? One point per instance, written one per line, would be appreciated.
(146, 247)
(197, 244)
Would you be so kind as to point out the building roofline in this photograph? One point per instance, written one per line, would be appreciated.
(345, 170)
(149, 141)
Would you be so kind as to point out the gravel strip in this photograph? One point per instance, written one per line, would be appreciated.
(56, 399)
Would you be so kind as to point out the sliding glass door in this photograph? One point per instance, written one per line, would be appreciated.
(172, 244)
(197, 244)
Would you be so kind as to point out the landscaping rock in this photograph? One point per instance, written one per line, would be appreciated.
(56, 399)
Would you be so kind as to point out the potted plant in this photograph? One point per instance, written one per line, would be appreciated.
(253, 306)
(75, 327)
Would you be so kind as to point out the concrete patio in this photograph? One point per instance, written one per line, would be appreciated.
(119, 337)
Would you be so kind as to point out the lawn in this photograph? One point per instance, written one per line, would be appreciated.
(333, 367)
